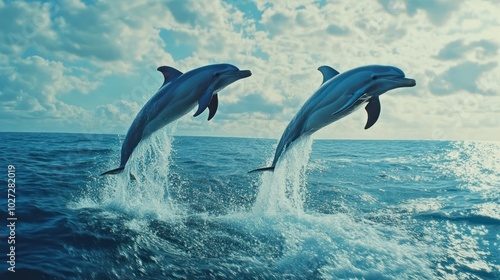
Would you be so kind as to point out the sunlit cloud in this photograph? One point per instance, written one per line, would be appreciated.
(89, 66)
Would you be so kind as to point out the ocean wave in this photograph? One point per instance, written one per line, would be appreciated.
(425, 210)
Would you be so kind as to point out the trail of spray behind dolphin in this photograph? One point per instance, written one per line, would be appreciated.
(283, 191)
(148, 194)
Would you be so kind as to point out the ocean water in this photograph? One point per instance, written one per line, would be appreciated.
(333, 209)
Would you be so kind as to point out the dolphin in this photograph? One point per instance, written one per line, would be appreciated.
(179, 94)
(338, 96)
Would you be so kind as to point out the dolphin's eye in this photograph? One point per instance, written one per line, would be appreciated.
(217, 74)
(374, 77)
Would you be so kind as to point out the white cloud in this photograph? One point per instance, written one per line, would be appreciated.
(437, 11)
(114, 118)
(458, 49)
(32, 84)
(463, 76)
(450, 48)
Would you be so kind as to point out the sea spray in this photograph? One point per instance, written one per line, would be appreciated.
(143, 187)
(451, 235)
(283, 191)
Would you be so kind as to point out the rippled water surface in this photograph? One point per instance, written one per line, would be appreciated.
(336, 209)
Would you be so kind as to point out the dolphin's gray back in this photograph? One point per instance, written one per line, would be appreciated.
(140, 129)
(159, 111)
(173, 104)
(133, 137)
(337, 98)
(319, 104)
(290, 134)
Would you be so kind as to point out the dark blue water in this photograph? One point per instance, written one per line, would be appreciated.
(339, 209)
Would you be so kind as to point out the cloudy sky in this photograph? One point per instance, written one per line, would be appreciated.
(89, 66)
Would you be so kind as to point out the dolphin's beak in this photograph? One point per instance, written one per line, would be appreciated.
(402, 81)
(239, 74)
(232, 76)
(247, 73)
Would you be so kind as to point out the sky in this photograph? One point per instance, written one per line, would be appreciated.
(89, 66)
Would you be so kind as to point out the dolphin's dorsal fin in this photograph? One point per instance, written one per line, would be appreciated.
(373, 110)
(328, 72)
(169, 73)
(212, 106)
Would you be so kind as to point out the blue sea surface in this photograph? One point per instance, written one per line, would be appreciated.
(333, 209)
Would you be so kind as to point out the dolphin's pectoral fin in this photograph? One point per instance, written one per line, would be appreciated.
(328, 72)
(212, 107)
(373, 110)
(204, 101)
(169, 74)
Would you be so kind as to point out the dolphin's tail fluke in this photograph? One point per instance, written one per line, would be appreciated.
(114, 171)
(270, 168)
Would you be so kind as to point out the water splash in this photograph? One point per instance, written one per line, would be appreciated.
(283, 191)
(275, 239)
(147, 194)
(338, 244)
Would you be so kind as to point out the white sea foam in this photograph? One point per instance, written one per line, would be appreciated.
(278, 238)
(284, 189)
(147, 194)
